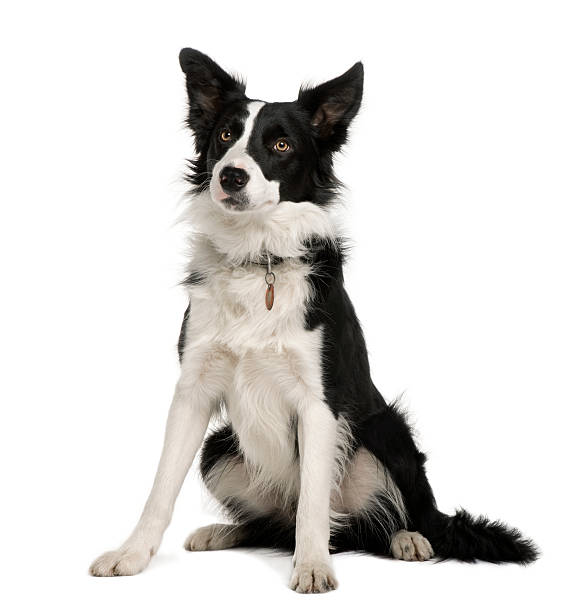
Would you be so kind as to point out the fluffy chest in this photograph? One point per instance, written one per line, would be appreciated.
(274, 361)
(229, 307)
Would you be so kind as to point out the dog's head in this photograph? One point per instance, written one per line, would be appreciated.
(253, 155)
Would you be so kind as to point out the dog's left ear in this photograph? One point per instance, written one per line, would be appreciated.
(333, 105)
(210, 89)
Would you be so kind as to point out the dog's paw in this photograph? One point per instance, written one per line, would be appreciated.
(410, 546)
(213, 537)
(121, 562)
(313, 578)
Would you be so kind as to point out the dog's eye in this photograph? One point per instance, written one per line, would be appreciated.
(225, 135)
(281, 146)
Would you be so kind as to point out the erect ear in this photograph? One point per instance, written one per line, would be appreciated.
(334, 104)
(210, 89)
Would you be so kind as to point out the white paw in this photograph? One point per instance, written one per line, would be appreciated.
(313, 578)
(213, 537)
(121, 562)
(410, 546)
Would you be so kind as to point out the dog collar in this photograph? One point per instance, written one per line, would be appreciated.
(268, 260)
(270, 281)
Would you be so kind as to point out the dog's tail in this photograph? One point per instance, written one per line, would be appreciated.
(388, 436)
(467, 538)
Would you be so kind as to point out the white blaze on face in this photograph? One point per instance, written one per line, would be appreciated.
(259, 192)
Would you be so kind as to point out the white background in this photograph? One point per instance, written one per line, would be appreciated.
(465, 210)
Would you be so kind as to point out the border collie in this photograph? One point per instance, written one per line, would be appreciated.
(305, 454)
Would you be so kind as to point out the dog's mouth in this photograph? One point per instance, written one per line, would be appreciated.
(235, 203)
(241, 203)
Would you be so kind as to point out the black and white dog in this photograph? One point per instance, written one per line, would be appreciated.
(306, 455)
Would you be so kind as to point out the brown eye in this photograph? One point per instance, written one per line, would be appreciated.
(225, 136)
(281, 146)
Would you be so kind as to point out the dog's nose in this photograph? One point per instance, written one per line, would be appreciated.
(233, 179)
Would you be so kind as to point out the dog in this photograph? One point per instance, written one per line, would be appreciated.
(304, 453)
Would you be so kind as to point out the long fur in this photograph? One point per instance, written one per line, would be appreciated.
(307, 454)
(226, 267)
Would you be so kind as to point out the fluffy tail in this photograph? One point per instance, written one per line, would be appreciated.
(467, 538)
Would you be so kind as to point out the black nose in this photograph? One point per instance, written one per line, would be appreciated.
(233, 179)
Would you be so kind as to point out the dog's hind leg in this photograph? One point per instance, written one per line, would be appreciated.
(410, 546)
(261, 517)
(217, 536)
(267, 531)
(387, 435)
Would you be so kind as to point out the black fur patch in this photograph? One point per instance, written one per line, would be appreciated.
(221, 444)
(194, 278)
(183, 332)
(315, 126)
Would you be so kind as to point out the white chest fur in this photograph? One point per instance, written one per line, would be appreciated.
(274, 360)
(229, 307)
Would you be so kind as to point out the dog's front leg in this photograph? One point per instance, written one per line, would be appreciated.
(187, 422)
(317, 429)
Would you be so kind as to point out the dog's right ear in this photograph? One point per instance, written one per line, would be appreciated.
(210, 89)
